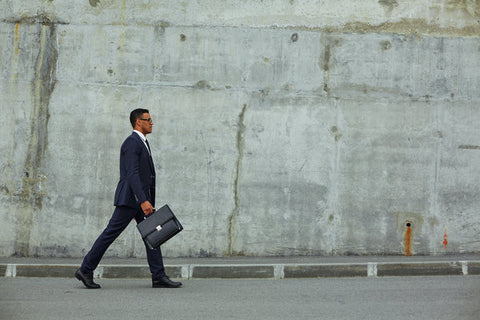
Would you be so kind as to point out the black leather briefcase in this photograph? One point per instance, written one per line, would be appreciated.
(159, 226)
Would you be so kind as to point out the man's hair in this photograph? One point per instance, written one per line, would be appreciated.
(137, 114)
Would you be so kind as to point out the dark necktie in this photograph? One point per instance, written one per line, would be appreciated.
(150, 151)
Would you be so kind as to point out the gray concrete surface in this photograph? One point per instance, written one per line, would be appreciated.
(440, 298)
(282, 128)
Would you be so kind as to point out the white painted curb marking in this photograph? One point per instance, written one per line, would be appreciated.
(372, 269)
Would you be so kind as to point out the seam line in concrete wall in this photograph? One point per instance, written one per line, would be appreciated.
(417, 27)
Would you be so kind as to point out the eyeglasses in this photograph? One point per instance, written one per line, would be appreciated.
(149, 120)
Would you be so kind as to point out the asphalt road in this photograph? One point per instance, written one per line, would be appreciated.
(436, 297)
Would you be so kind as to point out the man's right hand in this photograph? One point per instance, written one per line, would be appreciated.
(147, 207)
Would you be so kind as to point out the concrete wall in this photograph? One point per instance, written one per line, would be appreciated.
(280, 127)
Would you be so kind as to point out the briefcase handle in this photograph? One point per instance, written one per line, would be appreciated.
(149, 214)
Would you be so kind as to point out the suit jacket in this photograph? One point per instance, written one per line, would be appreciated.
(137, 174)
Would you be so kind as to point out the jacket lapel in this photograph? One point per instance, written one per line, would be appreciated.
(150, 160)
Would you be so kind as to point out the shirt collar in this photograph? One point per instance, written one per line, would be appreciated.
(141, 135)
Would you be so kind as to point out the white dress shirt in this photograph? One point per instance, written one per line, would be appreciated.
(144, 139)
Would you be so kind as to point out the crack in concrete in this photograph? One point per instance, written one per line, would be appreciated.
(326, 67)
(236, 210)
(31, 195)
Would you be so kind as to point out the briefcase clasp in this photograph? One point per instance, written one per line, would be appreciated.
(159, 227)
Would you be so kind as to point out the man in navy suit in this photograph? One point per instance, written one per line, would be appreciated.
(134, 199)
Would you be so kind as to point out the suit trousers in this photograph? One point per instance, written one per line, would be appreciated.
(121, 217)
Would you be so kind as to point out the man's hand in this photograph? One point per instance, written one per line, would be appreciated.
(147, 207)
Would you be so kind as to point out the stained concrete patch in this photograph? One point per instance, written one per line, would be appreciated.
(419, 269)
(474, 268)
(122, 272)
(233, 272)
(94, 3)
(322, 271)
(138, 272)
(46, 271)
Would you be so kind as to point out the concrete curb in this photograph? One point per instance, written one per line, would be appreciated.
(253, 271)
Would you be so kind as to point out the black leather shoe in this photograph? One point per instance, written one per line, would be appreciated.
(87, 279)
(165, 282)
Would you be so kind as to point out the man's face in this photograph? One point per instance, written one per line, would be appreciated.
(144, 124)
